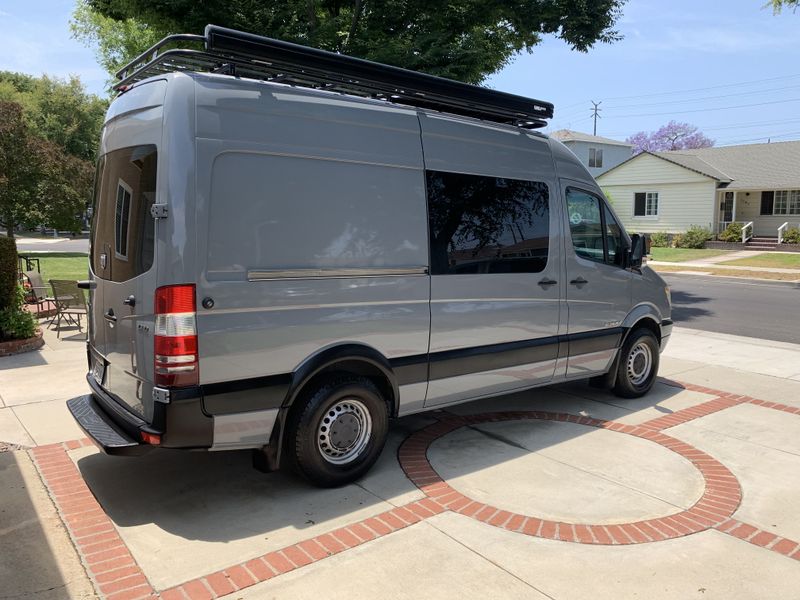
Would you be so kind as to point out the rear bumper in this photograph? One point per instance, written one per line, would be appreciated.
(102, 430)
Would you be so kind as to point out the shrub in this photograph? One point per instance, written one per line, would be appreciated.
(732, 233)
(8, 271)
(15, 322)
(696, 237)
(659, 239)
(791, 235)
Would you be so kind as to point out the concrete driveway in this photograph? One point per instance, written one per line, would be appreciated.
(563, 492)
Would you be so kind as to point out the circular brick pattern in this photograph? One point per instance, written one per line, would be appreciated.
(719, 501)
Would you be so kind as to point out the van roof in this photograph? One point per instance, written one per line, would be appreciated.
(238, 54)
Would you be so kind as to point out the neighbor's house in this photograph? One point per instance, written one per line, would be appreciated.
(598, 154)
(710, 187)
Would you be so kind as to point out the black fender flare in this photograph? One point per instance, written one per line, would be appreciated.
(349, 356)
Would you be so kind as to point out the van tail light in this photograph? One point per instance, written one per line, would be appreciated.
(176, 362)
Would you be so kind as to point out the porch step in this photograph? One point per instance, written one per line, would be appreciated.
(761, 242)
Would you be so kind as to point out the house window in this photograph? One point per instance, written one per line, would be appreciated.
(645, 204)
(787, 202)
(122, 219)
(595, 157)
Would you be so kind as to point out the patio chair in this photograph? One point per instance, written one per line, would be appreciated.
(36, 291)
(70, 303)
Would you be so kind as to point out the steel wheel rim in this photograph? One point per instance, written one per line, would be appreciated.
(639, 363)
(344, 431)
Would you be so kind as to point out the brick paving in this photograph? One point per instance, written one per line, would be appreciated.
(116, 575)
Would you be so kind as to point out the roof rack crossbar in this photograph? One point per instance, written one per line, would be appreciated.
(236, 53)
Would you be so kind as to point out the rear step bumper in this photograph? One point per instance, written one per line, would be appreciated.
(105, 434)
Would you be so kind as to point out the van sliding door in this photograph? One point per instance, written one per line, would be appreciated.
(495, 257)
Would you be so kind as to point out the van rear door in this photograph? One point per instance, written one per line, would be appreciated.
(122, 258)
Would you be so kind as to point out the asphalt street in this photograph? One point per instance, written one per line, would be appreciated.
(754, 309)
(25, 245)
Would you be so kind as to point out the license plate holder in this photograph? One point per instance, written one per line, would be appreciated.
(98, 369)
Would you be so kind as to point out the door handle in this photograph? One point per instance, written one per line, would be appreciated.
(89, 284)
(546, 283)
(130, 301)
(579, 281)
(109, 316)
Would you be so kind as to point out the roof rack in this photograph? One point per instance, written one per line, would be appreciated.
(231, 52)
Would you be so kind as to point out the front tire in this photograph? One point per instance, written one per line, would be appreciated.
(638, 364)
(340, 431)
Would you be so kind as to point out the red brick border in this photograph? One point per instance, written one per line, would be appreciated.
(109, 563)
(719, 501)
(761, 538)
(117, 576)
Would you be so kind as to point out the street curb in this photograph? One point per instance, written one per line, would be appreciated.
(793, 283)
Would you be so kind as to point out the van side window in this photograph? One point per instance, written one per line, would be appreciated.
(487, 224)
(596, 235)
(585, 224)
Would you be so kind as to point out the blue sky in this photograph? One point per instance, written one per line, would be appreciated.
(728, 66)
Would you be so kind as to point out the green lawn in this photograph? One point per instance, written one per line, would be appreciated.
(683, 254)
(768, 259)
(62, 265)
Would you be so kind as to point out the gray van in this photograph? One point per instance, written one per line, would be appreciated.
(290, 247)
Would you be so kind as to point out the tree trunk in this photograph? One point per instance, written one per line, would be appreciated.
(9, 227)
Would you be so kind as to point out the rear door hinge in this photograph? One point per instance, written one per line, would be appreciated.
(160, 395)
(159, 211)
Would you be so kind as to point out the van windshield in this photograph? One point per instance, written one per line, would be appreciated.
(122, 241)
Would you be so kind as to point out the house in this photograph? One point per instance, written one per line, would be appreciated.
(709, 187)
(598, 154)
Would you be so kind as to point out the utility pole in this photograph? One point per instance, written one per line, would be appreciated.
(595, 114)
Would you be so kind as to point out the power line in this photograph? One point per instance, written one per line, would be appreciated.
(697, 110)
(703, 98)
(684, 91)
(765, 137)
(722, 128)
(713, 87)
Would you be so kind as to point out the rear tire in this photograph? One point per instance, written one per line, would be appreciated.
(638, 364)
(340, 430)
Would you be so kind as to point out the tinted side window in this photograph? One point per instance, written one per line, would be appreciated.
(487, 224)
(123, 232)
(585, 224)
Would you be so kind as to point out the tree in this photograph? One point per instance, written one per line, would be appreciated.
(115, 41)
(465, 40)
(58, 110)
(778, 5)
(18, 165)
(672, 136)
(40, 182)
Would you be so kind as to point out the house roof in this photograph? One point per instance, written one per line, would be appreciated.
(693, 163)
(568, 135)
(754, 166)
(746, 167)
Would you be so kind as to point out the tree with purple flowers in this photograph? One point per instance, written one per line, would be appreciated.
(672, 136)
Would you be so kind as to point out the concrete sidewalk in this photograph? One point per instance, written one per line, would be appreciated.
(562, 492)
(716, 263)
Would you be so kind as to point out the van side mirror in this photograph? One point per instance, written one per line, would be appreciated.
(636, 253)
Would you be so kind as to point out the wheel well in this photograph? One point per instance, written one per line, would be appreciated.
(354, 367)
(646, 323)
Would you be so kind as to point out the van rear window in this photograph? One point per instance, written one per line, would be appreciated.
(122, 242)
